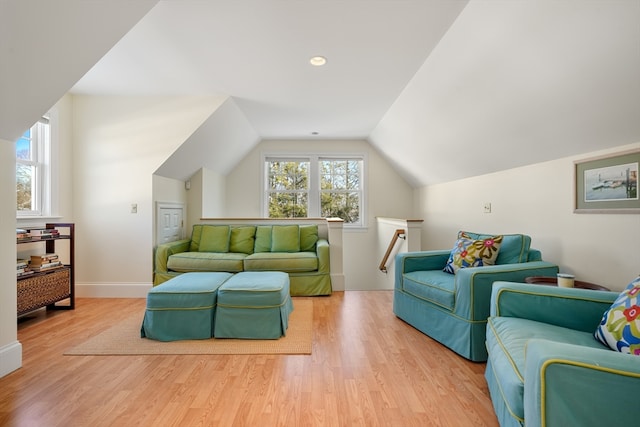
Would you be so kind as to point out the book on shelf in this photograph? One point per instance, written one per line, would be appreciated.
(46, 267)
(43, 259)
(22, 267)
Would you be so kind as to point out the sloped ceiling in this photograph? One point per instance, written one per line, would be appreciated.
(518, 82)
(444, 89)
(46, 46)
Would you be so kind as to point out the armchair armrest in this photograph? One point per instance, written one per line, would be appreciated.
(164, 250)
(579, 309)
(407, 262)
(473, 285)
(567, 385)
(322, 251)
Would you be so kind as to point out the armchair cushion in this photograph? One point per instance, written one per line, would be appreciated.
(620, 325)
(469, 252)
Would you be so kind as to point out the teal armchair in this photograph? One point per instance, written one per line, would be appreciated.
(453, 308)
(545, 368)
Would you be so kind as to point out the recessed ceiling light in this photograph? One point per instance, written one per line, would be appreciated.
(318, 61)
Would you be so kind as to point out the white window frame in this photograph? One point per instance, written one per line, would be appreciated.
(44, 160)
(314, 181)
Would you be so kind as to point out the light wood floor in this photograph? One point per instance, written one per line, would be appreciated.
(367, 368)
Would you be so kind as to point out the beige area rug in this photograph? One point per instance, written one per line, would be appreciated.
(124, 339)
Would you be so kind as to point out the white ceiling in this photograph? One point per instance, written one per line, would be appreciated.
(442, 88)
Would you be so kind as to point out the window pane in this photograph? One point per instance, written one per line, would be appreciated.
(288, 175)
(24, 190)
(288, 205)
(340, 174)
(23, 146)
(341, 205)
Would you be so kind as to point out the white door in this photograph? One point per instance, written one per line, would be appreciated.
(170, 224)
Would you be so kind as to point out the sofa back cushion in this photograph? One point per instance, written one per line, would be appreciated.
(214, 238)
(242, 239)
(514, 248)
(263, 239)
(308, 237)
(285, 238)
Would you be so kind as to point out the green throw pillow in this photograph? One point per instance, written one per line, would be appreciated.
(263, 239)
(308, 238)
(285, 238)
(242, 239)
(214, 238)
(468, 252)
(620, 325)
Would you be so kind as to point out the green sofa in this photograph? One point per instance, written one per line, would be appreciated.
(546, 368)
(292, 248)
(453, 308)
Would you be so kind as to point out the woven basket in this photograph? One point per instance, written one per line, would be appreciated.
(41, 290)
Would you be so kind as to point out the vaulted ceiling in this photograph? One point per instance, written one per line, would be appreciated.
(444, 89)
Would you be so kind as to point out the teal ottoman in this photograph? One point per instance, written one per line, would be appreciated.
(182, 308)
(253, 305)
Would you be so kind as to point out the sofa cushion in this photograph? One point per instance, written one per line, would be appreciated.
(434, 286)
(620, 325)
(514, 248)
(469, 252)
(507, 339)
(206, 261)
(263, 239)
(242, 239)
(308, 237)
(285, 238)
(289, 262)
(209, 238)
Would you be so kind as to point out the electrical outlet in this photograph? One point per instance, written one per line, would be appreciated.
(487, 207)
(134, 208)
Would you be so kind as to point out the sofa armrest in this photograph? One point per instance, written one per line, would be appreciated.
(473, 285)
(322, 252)
(165, 250)
(579, 309)
(570, 385)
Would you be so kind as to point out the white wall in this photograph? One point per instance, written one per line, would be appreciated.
(119, 142)
(388, 195)
(537, 200)
(10, 348)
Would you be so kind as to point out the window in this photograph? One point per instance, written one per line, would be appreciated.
(32, 170)
(324, 186)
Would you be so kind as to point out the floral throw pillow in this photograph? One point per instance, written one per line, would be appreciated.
(468, 252)
(620, 325)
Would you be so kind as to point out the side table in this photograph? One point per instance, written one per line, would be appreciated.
(553, 281)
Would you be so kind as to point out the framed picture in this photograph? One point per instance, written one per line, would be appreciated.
(608, 184)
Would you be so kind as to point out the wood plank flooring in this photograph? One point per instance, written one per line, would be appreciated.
(367, 368)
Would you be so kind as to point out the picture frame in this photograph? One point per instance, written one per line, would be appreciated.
(607, 184)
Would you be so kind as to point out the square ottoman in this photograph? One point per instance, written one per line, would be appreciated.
(253, 305)
(183, 308)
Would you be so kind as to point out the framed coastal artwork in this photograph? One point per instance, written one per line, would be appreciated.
(608, 184)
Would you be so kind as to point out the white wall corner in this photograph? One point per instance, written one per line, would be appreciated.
(10, 358)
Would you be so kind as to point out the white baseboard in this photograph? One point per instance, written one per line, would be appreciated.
(112, 290)
(10, 358)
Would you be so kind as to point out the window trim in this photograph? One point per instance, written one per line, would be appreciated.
(314, 180)
(47, 173)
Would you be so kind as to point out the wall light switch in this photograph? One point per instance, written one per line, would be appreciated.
(134, 208)
(487, 207)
